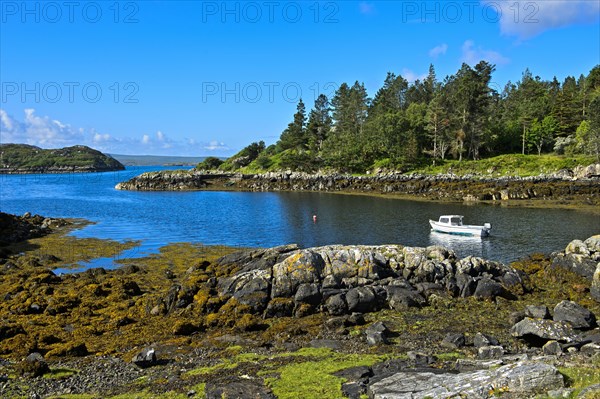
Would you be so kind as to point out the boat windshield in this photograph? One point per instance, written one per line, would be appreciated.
(456, 221)
(444, 220)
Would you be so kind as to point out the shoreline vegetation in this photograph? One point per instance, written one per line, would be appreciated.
(558, 186)
(198, 321)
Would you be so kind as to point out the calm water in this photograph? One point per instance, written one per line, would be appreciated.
(269, 219)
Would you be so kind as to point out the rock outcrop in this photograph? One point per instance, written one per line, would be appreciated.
(285, 281)
(447, 186)
(525, 378)
(18, 228)
(582, 258)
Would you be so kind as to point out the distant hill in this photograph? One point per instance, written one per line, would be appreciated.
(23, 158)
(151, 160)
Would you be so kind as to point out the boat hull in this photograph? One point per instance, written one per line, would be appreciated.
(464, 230)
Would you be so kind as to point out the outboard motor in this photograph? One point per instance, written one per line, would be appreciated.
(487, 226)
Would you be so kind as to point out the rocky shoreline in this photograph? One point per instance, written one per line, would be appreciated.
(336, 321)
(581, 185)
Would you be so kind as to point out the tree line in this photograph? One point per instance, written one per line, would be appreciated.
(410, 124)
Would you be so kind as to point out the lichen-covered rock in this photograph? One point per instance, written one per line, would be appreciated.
(595, 288)
(539, 331)
(523, 378)
(593, 243)
(342, 279)
(577, 247)
(581, 257)
(574, 314)
(303, 267)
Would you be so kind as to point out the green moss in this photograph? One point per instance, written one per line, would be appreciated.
(314, 378)
(580, 377)
(200, 390)
(59, 373)
(151, 395)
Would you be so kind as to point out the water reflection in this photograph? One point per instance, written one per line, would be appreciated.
(472, 245)
(270, 219)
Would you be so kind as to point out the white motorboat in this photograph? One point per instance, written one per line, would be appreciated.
(453, 224)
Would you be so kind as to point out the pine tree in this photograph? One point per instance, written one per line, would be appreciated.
(294, 135)
(319, 123)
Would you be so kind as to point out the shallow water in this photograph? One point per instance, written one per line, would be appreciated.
(267, 219)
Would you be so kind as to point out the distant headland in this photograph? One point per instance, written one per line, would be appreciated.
(23, 158)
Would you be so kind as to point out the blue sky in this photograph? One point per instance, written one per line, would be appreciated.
(208, 78)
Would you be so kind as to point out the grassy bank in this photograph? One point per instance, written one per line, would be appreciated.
(509, 165)
(499, 166)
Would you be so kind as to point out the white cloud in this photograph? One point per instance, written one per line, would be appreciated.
(36, 130)
(99, 138)
(214, 145)
(526, 19)
(5, 121)
(42, 131)
(438, 50)
(366, 7)
(411, 76)
(472, 55)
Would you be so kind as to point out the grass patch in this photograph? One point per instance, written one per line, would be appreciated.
(151, 395)
(509, 165)
(200, 390)
(450, 356)
(56, 374)
(314, 378)
(227, 363)
(580, 377)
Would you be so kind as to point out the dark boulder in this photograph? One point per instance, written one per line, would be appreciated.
(466, 285)
(34, 365)
(336, 305)
(309, 294)
(362, 299)
(574, 314)
(490, 289)
(377, 333)
(481, 340)
(145, 358)
(279, 307)
(454, 340)
(579, 264)
(402, 298)
(537, 312)
(490, 352)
